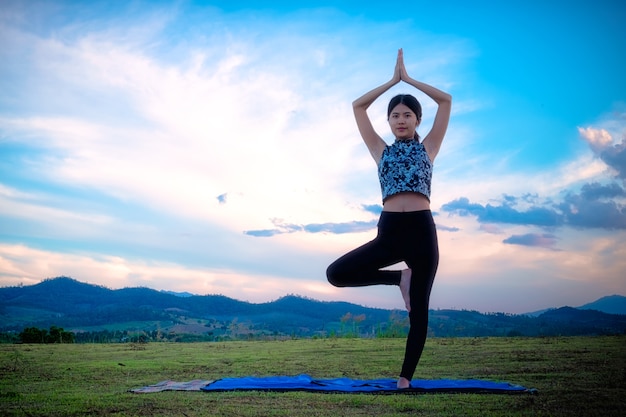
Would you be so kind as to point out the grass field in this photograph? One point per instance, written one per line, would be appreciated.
(579, 376)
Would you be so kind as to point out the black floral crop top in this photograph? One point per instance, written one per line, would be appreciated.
(405, 167)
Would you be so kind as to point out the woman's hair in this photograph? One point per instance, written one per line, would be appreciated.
(409, 101)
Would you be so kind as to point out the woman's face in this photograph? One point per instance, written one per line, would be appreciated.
(403, 122)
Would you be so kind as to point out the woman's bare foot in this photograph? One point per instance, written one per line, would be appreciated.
(403, 383)
(405, 288)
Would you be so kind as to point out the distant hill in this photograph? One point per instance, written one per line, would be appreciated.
(71, 304)
(612, 304)
(89, 309)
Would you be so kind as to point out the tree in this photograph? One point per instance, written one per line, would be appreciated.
(56, 335)
(33, 335)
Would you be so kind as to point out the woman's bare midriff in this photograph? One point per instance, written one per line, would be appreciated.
(405, 202)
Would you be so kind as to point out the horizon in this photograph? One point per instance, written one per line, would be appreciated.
(212, 148)
(305, 297)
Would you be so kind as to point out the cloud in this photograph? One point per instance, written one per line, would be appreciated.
(504, 213)
(594, 201)
(355, 226)
(596, 191)
(264, 232)
(373, 208)
(544, 240)
(189, 130)
(585, 209)
(222, 198)
(21, 264)
(447, 228)
(598, 139)
(593, 207)
(605, 145)
(615, 157)
(334, 228)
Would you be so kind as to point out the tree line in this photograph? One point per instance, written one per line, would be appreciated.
(450, 323)
(54, 335)
(235, 330)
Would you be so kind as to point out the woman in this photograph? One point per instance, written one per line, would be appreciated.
(406, 231)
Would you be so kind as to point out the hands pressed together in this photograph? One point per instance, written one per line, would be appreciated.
(400, 73)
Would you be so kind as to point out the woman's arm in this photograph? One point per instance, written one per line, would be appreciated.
(375, 144)
(432, 141)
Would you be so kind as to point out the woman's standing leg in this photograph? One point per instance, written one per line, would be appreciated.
(423, 262)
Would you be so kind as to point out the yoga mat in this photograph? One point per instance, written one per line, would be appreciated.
(347, 385)
(335, 385)
(169, 385)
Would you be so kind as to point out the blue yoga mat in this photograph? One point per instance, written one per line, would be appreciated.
(347, 385)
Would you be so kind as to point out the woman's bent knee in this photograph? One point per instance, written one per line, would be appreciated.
(333, 276)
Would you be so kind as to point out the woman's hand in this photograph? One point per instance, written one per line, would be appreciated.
(397, 73)
(400, 68)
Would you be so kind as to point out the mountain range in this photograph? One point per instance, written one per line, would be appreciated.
(85, 309)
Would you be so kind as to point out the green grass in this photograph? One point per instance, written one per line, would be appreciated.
(578, 376)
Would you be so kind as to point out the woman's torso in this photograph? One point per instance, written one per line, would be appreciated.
(405, 171)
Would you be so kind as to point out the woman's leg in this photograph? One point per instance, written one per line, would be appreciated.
(405, 288)
(362, 266)
(421, 286)
(423, 261)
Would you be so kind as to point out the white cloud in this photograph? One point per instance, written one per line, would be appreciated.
(25, 265)
(597, 138)
(246, 118)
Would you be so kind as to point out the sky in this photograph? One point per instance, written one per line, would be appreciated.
(210, 147)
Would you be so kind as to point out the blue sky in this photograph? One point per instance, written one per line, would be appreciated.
(210, 147)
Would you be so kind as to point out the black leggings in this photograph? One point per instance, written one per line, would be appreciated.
(410, 237)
